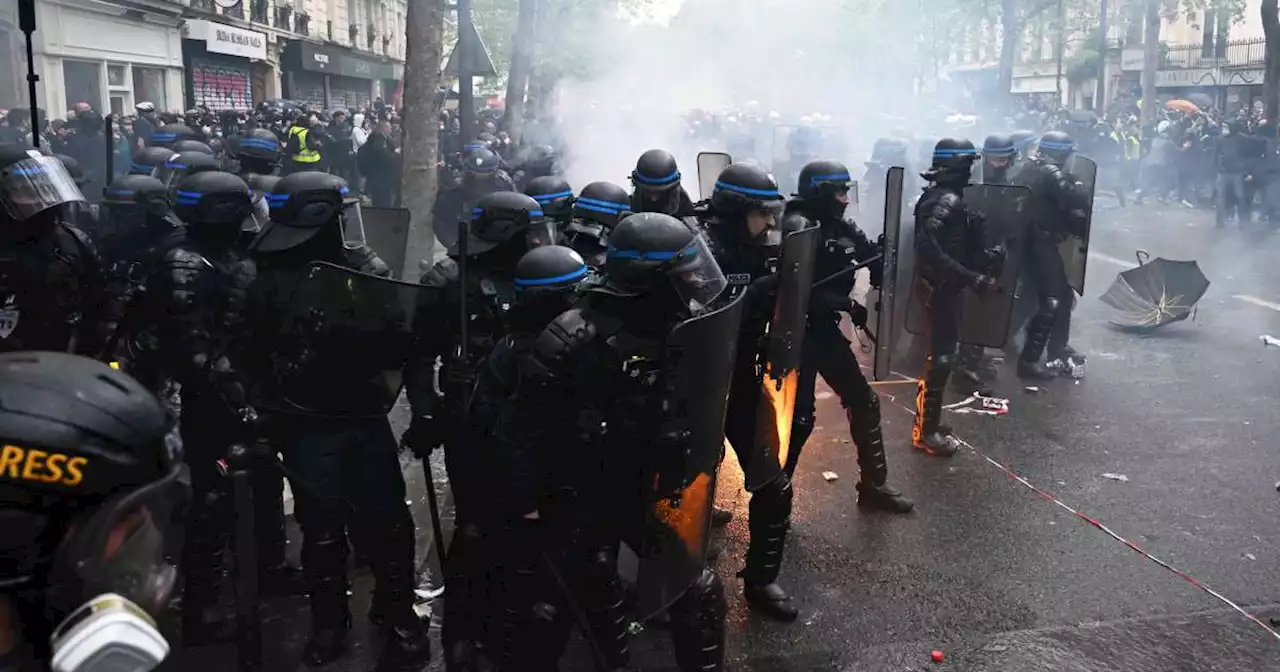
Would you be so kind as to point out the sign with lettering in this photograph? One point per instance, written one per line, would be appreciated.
(1187, 78)
(223, 39)
(345, 62)
(1131, 60)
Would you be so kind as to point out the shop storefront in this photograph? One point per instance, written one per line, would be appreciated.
(331, 77)
(221, 61)
(96, 56)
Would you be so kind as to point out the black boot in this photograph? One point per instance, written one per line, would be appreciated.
(769, 518)
(324, 556)
(873, 489)
(926, 434)
(604, 600)
(697, 626)
(203, 573)
(1038, 331)
(392, 608)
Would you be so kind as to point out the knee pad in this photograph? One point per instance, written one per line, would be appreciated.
(1050, 306)
(774, 498)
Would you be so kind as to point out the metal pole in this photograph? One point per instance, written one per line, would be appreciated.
(1100, 95)
(1150, 56)
(27, 21)
(1057, 82)
(466, 68)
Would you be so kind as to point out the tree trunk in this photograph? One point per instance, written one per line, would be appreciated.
(1010, 40)
(1271, 76)
(421, 141)
(521, 65)
(1100, 94)
(1150, 58)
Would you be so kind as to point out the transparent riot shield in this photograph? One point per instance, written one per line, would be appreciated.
(386, 230)
(986, 317)
(699, 362)
(1075, 250)
(881, 301)
(710, 164)
(781, 380)
(343, 341)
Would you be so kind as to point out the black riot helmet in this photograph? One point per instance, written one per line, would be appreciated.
(1056, 147)
(32, 184)
(191, 146)
(649, 251)
(604, 203)
(505, 216)
(744, 192)
(952, 162)
(656, 171)
(480, 161)
(998, 151)
(183, 164)
(168, 134)
(258, 150)
(213, 205)
(554, 195)
(147, 159)
(1022, 142)
(85, 527)
(133, 202)
(305, 204)
(825, 186)
(546, 282)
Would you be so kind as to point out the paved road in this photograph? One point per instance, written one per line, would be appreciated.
(991, 573)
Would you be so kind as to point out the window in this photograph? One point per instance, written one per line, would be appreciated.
(117, 104)
(115, 75)
(149, 85)
(82, 84)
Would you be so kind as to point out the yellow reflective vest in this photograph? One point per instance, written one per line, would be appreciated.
(305, 153)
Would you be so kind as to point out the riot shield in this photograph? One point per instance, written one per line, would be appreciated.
(698, 367)
(709, 166)
(386, 230)
(1075, 250)
(343, 342)
(777, 403)
(986, 317)
(881, 302)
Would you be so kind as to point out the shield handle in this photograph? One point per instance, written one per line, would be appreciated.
(1143, 257)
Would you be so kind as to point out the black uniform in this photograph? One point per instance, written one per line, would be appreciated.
(482, 174)
(596, 211)
(505, 226)
(1060, 210)
(340, 445)
(824, 187)
(593, 394)
(657, 185)
(749, 261)
(193, 333)
(52, 281)
(950, 247)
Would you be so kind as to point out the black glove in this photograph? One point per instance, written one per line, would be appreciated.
(858, 314)
(424, 435)
(983, 283)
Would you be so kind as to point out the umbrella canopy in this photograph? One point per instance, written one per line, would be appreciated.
(1155, 293)
(1201, 100)
(1182, 106)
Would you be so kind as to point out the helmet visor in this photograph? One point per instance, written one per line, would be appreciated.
(33, 185)
(352, 225)
(697, 277)
(540, 233)
(258, 217)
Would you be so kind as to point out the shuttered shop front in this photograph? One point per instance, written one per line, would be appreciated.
(221, 85)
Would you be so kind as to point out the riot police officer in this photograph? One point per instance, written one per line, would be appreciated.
(504, 226)
(1024, 142)
(998, 153)
(147, 159)
(181, 146)
(598, 375)
(107, 467)
(193, 331)
(596, 211)
(337, 443)
(555, 196)
(482, 174)
(946, 234)
(1061, 210)
(822, 199)
(181, 165)
(51, 278)
(257, 152)
(742, 224)
(168, 134)
(657, 185)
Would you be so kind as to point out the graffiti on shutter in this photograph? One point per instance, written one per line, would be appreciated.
(220, 86)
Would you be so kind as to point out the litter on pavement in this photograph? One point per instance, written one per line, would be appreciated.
(830, 475)
(981, 405)
(1117, 477)
(1269, 340)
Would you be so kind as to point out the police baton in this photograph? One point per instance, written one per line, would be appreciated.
(846, 271)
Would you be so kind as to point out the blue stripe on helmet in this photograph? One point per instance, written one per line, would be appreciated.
(767, 193)
(482, 169)
(596, 208)
(947, 153)
(1001, 151)
(187, 201)
(140, 169)
(261, 143)
(547, 198)
(833, 177)
(536, 213)
(171, 164)
(163, 136)
(189, 194)
(122, 193)
(539, 282)
(344, 191)
(656, 181)
(30, 170)
(658, 255)
(1057, 145)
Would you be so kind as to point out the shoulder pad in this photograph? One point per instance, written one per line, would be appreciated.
(555, 347)
(81, 238)
(181, 258)
(795, 221)
(365, 260)
(946, 203)
(444, 272)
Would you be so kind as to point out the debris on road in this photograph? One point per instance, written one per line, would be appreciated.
(1032, 389)
(936, 656)
(1117, 477)
(830, 476)
(1250, 556)
(1269, 340)
(989, 405)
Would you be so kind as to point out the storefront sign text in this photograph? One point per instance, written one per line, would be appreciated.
(223, 39)
(1189, 77)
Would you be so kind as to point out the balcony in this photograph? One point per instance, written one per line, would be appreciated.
(283, 18)
(328, 30)
(234, 12)
(302, 25)
(260, 11)
(1239, 54)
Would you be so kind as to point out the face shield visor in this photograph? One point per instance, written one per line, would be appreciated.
(696, 276)
(33, 185)
(763, 223)
(541, 232)
(352, 225)
(258, 217)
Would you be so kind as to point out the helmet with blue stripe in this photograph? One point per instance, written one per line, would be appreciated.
(656, 170)
(602, 202)
(1056, 147)
(213, 204)
(953, 161)
(745, 187)
(552, 193)
(651, 250)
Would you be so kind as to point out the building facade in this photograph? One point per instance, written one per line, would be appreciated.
(219, 54)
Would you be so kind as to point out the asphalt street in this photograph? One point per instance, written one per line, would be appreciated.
(991, 573)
